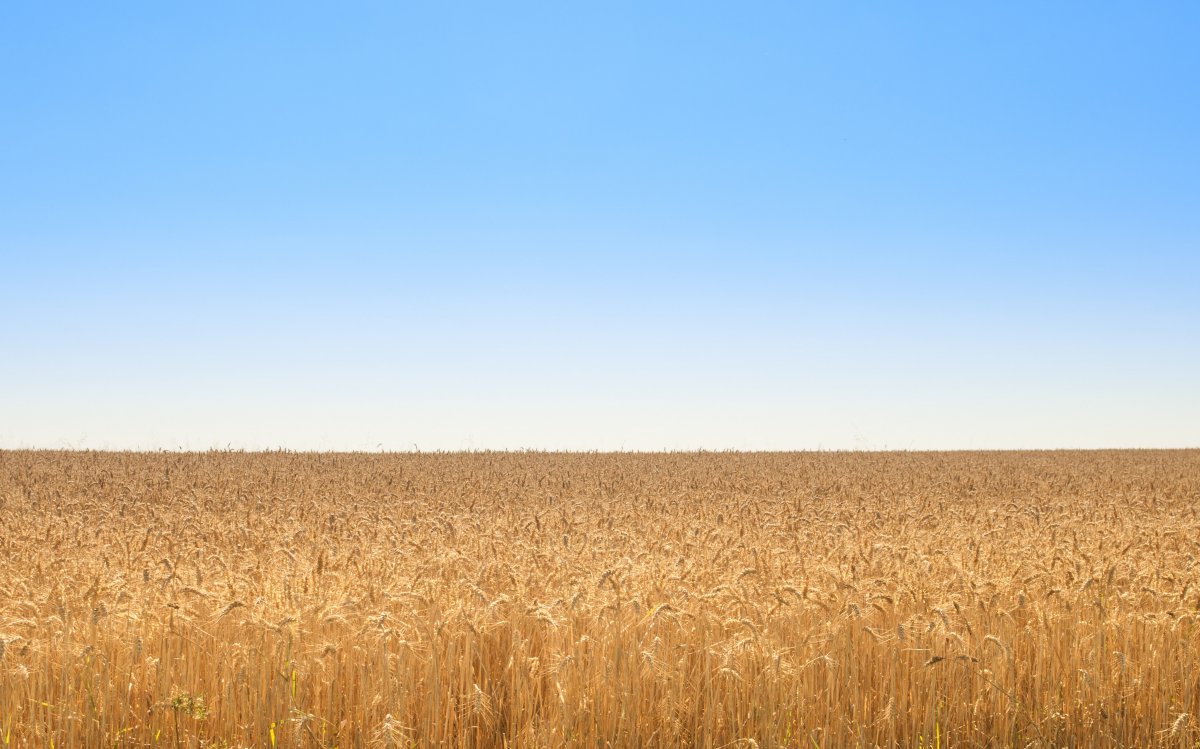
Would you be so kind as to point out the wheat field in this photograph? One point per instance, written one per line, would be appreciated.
(231, 599)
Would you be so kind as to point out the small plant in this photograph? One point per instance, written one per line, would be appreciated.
(191, 705)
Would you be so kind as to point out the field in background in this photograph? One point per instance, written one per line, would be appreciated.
(600, 600)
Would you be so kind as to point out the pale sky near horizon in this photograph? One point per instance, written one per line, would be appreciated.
(620, 225)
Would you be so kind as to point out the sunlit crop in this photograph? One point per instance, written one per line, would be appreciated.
(600, 600)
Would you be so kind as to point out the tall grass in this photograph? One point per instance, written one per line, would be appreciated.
(633, 600)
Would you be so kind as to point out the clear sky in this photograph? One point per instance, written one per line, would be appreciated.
(599, 225)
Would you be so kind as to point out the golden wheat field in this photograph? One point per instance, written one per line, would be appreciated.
(600, 600)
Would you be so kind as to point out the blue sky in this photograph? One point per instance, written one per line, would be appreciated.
(604, 226)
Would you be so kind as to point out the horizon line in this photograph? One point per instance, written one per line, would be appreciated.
(544, 451)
